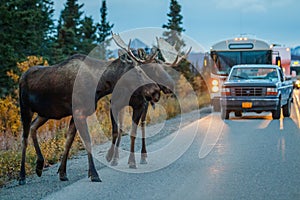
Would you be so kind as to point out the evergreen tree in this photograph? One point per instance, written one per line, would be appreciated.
(68, 30)
(174, 26)
(173, 36)
(56, 45)
(104, 30)
(25, 28)
(88, 35)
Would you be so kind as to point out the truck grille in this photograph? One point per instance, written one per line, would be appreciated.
(248, 91)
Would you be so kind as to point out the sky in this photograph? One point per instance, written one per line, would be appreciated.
(207, 22)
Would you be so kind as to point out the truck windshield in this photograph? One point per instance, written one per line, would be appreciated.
(224, 60)
(269, 74)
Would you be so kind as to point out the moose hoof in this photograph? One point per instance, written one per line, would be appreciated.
(94, 176)
(63, 177)
(39, 172)
(114, 162)
(132, 166)
(109, 155)
(22, 181)
(143, 161)
(39, 167)
(95, 179)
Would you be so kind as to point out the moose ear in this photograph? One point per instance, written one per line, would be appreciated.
(142, 54)
(122, 55)
(124, 58)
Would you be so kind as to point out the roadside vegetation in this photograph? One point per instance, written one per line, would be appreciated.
(52, 135)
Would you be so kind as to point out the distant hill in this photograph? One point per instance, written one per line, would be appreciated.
(135, 44)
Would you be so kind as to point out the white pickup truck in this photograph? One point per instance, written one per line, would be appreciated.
(256, 88)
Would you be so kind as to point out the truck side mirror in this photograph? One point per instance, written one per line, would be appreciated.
(288, 78)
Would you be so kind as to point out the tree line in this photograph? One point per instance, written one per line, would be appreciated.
(27, 28)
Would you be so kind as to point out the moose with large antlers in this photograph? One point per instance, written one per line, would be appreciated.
(72, 88)
(140, 106)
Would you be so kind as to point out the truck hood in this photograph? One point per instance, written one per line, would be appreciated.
(250, 83)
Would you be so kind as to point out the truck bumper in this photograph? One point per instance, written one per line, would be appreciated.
(257, 104)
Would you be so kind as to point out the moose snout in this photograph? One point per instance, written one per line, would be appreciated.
(156, 96)
(152, 92)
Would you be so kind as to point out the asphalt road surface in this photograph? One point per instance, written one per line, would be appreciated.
(253, 157)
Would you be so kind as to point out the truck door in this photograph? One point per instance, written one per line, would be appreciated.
(285, 89)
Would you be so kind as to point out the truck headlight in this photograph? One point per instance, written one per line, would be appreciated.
(272, 91)
(225, 92)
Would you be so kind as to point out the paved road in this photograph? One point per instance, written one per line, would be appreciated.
(253, 157)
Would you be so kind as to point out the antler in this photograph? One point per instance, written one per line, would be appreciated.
(119, 42)
(187, 54)
(169, 53)
(153, 56)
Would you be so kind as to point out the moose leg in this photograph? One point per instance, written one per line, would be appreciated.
(38, 121)
(135, 121)
(69, 141)
(121, 122)
(82, 127)
(26, 117)
(114, 135)
(117, 132)
(144, 151)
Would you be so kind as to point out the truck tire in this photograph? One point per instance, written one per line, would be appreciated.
(286, 109)
(276, 113)
(224, 113)
(238, 113)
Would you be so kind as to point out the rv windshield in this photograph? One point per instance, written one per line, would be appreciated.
(224, 60)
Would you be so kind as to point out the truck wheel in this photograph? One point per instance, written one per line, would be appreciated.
(238, 113)
(286, 109)
(276, 113)
(224, 113)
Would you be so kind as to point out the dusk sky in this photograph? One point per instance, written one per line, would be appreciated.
(207, 22)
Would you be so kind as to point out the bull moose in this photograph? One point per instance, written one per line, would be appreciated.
(140, 105)
(156, 72)
(72, 88)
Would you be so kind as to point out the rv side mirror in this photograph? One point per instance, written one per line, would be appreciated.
(278, 61)
(205, 61)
